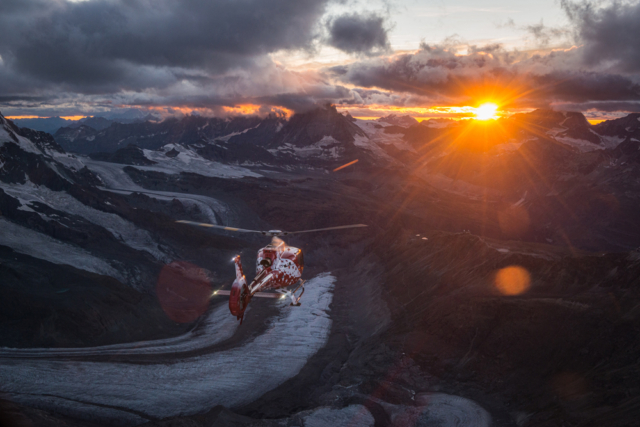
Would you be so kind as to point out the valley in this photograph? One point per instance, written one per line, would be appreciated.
(405, 322)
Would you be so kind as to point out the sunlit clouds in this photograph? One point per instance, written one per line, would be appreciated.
(216, 59)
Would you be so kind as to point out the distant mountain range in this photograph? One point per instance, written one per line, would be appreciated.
(566, 173)
(87, 232)
(309, 131)
(52, 124)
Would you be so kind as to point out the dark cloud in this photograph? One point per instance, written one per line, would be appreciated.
(110, 45)
(22, 98)
(608, 31)
(301, 102)
(64, 58)
(442, 75)
(601, 106)
(583, 86)
(433, 71)
(358, 33)
(545, 35)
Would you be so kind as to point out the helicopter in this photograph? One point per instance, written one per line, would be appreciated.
(278, 266)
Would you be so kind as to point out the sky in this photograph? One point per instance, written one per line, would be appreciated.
(425, 58)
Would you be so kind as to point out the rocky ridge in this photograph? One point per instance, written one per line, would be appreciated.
(418, 314)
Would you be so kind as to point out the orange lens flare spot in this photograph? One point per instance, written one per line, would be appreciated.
(512, 280)
(486, 111)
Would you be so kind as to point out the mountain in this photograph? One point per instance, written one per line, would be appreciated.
(624, 127)
(129, 115)
(68, 246)
(497, 283)
(318, 138)
(540, 159)
(53, 124)
(49, 125)
(392, 119)
(130, 155)
(322, 137)
(97, 123)
(151, 135)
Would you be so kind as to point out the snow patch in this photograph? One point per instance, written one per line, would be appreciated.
(7, 135)
(67, 160)
(352, 416)
(379, 137)
(327, 147)
(580, 144)
(117, 180)
(226, 138)
(37, 245)
(437, 124)
(442, 410)
(189, 161)
(186, 386)
(371, 145)
(218, 326)
(122, 229)
(611, 141)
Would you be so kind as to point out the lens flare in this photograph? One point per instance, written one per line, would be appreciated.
(486, 111)
(183, 291)
(512, 280)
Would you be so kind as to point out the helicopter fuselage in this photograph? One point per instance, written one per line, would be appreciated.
(277, 266)
(284, 265)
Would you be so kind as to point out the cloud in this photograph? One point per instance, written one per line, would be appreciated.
(359, 33)
(108, 45)
(544, 35)
(608, 31)
(82, 57)
(445, 76)
(66, 58)
(601, 106)
(264, 83)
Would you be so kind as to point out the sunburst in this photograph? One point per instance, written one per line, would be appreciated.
(486, 111)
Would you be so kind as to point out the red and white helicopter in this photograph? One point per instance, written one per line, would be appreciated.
(278, 266)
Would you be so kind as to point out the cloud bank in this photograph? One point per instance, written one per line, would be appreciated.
(442, 75)
(59, 57)
(608, 31)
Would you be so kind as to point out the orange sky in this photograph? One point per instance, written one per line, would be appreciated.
(73, 118)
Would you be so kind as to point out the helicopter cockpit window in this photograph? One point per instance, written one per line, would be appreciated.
(265, 262)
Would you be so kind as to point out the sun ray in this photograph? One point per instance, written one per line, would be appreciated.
(486, 111)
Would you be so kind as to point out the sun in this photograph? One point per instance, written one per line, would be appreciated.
(486, 111)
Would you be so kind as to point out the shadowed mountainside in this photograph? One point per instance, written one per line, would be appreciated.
(496, 273)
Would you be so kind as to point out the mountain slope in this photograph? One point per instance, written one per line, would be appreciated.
(78, 263)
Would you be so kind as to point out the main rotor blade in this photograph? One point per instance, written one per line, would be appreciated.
(271, 295)
(221, 227)
(342, 227)
(270, 232)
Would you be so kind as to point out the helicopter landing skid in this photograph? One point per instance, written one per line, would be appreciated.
(295, 299)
